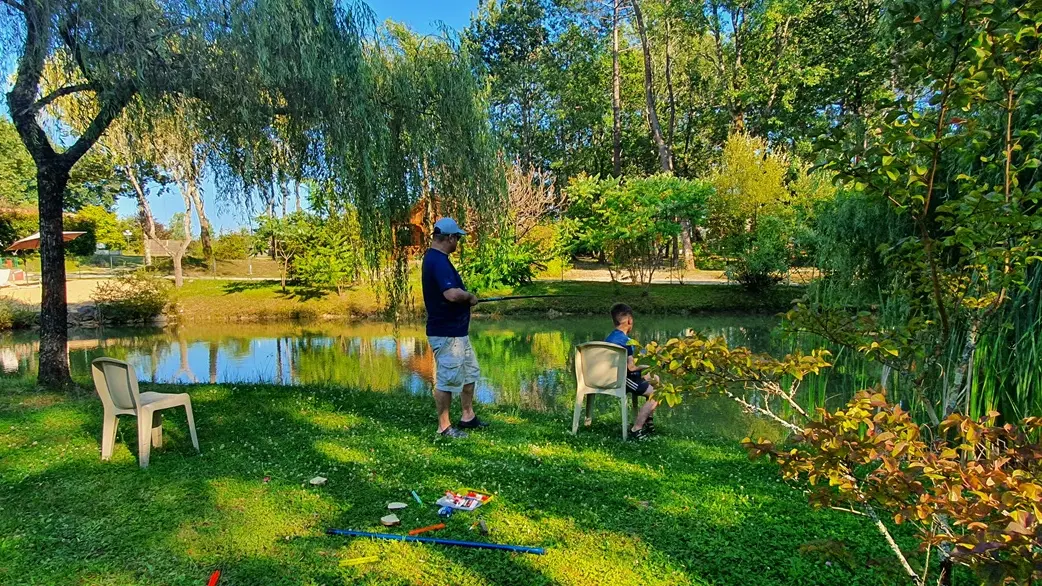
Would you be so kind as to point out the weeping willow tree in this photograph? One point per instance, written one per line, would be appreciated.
(299, 84)
(434, 145)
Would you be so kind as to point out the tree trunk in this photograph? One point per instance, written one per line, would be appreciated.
(175, 256)
(188, 193)
(672, 123)
(54, 318)
(149, 228)
(685, 238)
(664, 154)
(296, 191)
(616, 94)
(205, 231)
(284, 189)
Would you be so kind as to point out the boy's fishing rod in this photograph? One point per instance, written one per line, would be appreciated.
(512, 297)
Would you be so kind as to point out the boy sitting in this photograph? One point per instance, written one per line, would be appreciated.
(636, 382)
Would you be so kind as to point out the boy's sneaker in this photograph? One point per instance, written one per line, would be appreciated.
(453, 433)
(641, 434)
(472, 424)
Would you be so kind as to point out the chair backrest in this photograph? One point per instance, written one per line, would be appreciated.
(601, 365)
(116, 383)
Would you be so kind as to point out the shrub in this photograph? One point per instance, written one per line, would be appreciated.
(761, 257)
(134, 298)
(234, 246)
(15, 315)
(500, 262)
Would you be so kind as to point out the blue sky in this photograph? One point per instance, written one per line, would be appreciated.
(424, 16)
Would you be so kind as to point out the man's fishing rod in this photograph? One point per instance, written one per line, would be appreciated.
(513, 297)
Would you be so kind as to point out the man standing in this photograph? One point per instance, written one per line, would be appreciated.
(448, 306)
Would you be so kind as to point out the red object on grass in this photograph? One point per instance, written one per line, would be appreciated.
(213, 578)
(426, 529)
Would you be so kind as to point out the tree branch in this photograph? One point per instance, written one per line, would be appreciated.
(16, 5)
(65, 91)
(112, 105)
(890, 541)
(765, 412)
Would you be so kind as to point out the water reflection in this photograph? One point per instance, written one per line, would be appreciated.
(525, 363)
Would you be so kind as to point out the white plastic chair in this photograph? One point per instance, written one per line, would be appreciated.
(600, 369)
(116, 384)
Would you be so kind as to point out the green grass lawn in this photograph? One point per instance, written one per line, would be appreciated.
(216, 300)
(681, 508)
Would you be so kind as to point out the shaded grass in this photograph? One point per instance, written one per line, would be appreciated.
(681, 508)
(216, 300)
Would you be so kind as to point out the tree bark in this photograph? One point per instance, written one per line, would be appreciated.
(664, 153)
(284, 189)
(296, 192)
(149, 229)
(616, 94)
(54, 317)
(188, 193)
(671, 124)
(685, 239)
(205, 231)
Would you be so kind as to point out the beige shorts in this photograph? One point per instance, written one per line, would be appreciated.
(454, 363)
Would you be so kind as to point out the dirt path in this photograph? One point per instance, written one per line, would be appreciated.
(77, 290)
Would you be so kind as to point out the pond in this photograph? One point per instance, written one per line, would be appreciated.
(525, 363)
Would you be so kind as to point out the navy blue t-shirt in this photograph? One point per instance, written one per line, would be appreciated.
(451, 320)
(618, 338)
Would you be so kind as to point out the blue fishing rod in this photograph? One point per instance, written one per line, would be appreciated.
(435, 540)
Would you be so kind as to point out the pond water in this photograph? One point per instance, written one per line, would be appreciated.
(525, 363)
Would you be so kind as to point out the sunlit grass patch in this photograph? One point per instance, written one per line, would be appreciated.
(684, 508)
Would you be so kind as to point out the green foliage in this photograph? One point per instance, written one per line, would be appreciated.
(630, 221)
(134, 298)
(94, 181)
(851, 235)
(500, 262)
(762, 258)
(331, 254)
(106, 228)
(775, 68)
(17, 170)
(17, 223)
(16, 315)
(233, 246)
(748, 183)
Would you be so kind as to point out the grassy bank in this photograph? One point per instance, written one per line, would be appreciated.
(265, 300)
(681, 508)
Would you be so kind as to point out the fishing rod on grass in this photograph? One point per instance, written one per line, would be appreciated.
(513, 297)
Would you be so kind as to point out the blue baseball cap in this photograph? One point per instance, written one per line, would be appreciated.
(448, 227)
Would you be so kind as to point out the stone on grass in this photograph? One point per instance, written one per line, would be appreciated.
(317, 481)
(390, 520)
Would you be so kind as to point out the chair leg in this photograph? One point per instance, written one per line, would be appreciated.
(108, 436)
(157, 429)
(578, 411)
(636, 405)
(625, 416)
(144, 437)
(589, 409)
(191, 424)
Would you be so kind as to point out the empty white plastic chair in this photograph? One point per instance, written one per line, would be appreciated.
(600, 369)
(116, 384)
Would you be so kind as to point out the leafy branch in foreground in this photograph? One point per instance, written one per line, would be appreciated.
(975, 489)
(971, 488)
(707, 365)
